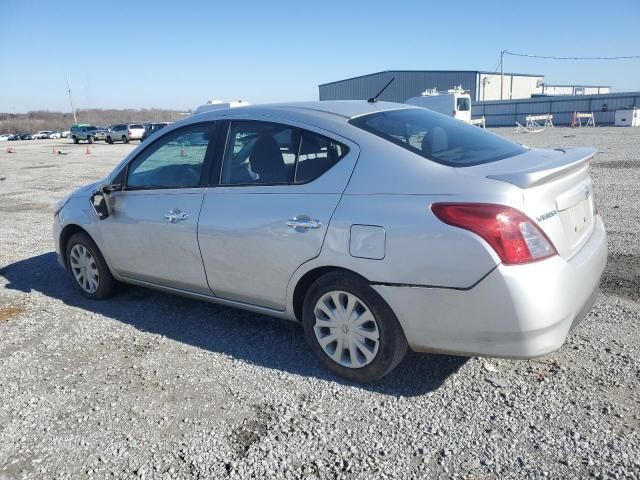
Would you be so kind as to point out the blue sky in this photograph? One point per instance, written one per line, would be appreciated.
(145, 54)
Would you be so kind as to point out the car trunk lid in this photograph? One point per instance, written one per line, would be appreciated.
(556, 190)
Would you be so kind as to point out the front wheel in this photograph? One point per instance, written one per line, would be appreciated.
(88, 268)
(125, 139)
(351, 329)
(90, 139)
(109, 140)
(75, 139)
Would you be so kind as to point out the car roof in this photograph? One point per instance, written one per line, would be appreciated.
(347, 109)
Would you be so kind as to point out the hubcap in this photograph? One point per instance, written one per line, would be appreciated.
(84, 268)
(346, 329)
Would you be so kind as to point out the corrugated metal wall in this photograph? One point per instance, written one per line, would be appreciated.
(508, 112)
(406, 85)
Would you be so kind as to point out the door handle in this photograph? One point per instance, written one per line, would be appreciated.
(303, 222)
(176, 216)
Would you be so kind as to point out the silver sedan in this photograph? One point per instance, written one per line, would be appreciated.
(378, 226)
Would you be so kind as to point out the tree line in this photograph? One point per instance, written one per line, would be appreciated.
(34, 121)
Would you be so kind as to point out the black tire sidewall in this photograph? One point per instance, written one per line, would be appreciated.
(392, 342)
(106, 282)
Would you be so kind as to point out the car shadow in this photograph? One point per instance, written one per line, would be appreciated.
(253, 338)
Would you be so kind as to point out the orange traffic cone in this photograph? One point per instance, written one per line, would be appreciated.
(88, 152)
(10, 150)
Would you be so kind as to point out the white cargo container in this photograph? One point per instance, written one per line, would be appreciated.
(219, 104)
(627, 118)
(455, 103)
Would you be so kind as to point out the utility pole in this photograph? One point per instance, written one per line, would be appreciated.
(73, 110)
(501, 72)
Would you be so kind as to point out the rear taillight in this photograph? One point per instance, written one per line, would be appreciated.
(514, 236)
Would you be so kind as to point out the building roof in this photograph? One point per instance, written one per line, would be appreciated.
(575, 85)
(431, 71)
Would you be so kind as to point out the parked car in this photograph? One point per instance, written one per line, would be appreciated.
(13, 138)
(125, 132)
(54, 135)
(5, 137)
(89, 133)
(64, 133)
(378, 226)
(153, 128)
(25, 136)
(42, 134)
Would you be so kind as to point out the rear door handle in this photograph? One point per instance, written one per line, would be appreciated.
(176, 216)
(304, 222)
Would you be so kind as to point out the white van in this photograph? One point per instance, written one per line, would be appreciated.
(455, 103)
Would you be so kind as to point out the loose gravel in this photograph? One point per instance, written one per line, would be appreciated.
(149, 385)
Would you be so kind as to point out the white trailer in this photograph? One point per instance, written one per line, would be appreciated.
(219, 104)
(455, 103)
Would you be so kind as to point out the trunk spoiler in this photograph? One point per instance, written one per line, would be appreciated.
(572, 159)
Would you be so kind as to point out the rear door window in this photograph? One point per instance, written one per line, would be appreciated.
(317, 155)
(437, 137)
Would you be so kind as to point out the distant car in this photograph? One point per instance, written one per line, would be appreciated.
(5, 137)
(88, 133)
(13, 138)
(25, 136)
(153, 128)
(125, 132)
(64, 133)
(41, 134)
(54, 135)
(100, 133)
(378, 226)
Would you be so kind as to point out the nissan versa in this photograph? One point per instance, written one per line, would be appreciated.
(378, 226)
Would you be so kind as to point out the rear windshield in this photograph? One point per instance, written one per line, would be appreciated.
(438, 137)
(136, 125)
(463, 104)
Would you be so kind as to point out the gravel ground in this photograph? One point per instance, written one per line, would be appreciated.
(149, 385)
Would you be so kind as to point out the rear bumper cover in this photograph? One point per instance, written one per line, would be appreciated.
(518, 311)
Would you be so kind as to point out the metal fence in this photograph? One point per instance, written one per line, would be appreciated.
(500, 113)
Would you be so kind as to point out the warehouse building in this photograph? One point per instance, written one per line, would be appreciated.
(483, 86)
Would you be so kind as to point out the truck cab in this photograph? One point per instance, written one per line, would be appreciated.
(455, 103)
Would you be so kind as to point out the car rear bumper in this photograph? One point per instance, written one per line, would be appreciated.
(517, 311)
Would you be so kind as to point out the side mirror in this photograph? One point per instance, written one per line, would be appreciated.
(100, 202)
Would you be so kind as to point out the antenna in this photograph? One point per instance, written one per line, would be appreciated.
(375, 99)
(73, 110)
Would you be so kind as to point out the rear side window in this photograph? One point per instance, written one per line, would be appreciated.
(317, 155)
(437, 137)
(265, 153)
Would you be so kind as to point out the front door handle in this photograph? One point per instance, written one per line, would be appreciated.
(176, 216)
(303, 222)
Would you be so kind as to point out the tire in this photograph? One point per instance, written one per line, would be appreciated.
(391, 343)
(125, 139)
(103, 284)
(75, 139)
(89, 139)
(109, 140)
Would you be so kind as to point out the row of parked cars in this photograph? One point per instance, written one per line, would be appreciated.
(34, 136)
(122, 132)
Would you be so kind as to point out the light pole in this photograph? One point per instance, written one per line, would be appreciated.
(73, 110)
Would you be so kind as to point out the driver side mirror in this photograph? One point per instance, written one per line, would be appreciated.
(100, 202)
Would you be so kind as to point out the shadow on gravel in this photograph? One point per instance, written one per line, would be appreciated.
(257, 339)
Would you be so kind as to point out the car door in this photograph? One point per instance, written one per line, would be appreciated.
(277, 190)
(150, 234)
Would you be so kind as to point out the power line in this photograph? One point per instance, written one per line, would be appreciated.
(625, 57)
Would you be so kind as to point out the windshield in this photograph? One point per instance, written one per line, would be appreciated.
(438, 137)
(463, 104)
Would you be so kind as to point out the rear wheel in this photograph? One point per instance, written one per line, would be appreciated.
(351, 329)
(125, 139)
(90, 139)
(75, 139)
(88, 268)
